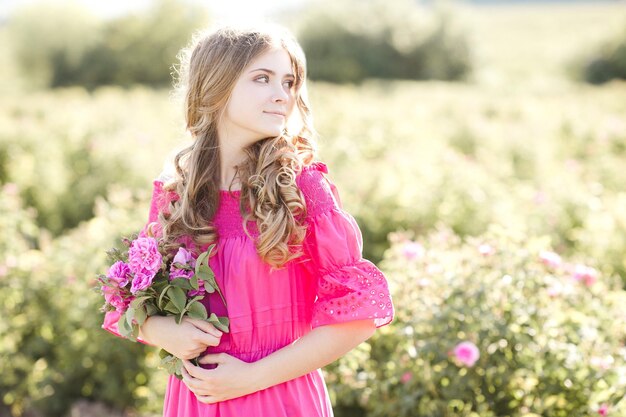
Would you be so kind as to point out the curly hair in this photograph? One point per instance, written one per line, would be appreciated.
(209, 68)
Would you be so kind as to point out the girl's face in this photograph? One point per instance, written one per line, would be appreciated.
(262, 99)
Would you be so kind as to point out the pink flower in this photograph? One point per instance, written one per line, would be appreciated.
(603, 363)
(199, 291)
(153, 229)
(10, 188)
(486, 249)
(413, 250)
(603, 410)
(467, 353)
(183, 257)
(406, 377)
(555, 290)
(550, 259)
(586, 274)
(144, 256)
(114, 297)
(120, 273)
(141, 281)
(423, 282)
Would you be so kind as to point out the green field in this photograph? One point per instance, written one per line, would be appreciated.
(521, 148)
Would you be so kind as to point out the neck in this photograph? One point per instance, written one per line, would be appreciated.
(231, 154)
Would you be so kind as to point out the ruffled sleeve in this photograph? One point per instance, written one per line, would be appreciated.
(349, 287)
(159, 202)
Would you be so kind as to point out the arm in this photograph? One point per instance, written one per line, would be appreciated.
(234, 378)
(318, 348)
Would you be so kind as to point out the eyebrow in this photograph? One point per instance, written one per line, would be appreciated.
(271, 72)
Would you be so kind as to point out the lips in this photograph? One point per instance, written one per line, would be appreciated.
(276, 113)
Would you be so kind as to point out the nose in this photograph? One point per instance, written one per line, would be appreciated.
(280, 95)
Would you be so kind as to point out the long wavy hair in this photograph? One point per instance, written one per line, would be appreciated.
(209, 68)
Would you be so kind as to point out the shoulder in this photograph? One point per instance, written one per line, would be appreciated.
(319, 192)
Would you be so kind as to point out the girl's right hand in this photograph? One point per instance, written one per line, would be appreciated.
(186, 340)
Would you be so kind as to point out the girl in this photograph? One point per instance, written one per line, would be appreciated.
(289, 258)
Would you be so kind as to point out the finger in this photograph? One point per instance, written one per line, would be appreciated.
(198, 352)
(205, 326)
(213, 358)
(188, 380)
(207, 399)
(206, 339)
(185, 374)
(190, 368)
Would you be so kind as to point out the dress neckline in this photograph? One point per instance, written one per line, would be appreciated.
(226, 192)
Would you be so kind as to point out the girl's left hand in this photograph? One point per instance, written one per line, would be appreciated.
(231, 379)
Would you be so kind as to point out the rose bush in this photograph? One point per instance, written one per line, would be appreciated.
(514, 330)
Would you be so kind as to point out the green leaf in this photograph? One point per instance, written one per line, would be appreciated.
(182, 283)
(194, 282)
(140, 315)
(123, 327)
(178, 366)
(170, 362)
(209, 288)
(139, 301)
(225, 322)
(171, 308)
(197, 310)
(151, 309)
(203, 256)
(163, 292)
(164, 353)
(130, 313)
(206, 271)
(160, 284)
(177, 296)
(210, 248)
(215, 321)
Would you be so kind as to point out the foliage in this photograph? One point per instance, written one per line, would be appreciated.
(514, 151)
(145, 280)
(64, 149)
(53, 351)
(347, 43)
(72, 47)
(50, 50)
(608, 61)
(551, 338)
(468, 157)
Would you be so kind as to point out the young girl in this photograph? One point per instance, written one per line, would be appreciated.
(289, 261)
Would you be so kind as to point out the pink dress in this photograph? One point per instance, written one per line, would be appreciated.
(331, 283)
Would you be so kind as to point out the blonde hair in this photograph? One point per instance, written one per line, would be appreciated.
(209, 69)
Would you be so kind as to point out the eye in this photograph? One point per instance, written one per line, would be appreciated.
(263, 77)
(290, 83)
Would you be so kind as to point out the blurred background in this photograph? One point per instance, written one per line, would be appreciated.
(487, 139)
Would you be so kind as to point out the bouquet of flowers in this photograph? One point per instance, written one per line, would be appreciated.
(144, 280)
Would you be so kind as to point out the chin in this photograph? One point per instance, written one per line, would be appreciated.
(273, 132)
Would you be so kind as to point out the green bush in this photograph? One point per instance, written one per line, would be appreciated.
(49, 41)
(141, 49)
(72, 47)
(52, 349)
(348, 42)
(467, 157)
(608, 62)
(461, 155)
(64, 149)
(550, 333)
